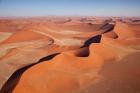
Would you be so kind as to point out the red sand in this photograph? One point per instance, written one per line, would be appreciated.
(96, 56)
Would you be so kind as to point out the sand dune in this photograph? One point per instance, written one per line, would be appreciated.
(71, 55)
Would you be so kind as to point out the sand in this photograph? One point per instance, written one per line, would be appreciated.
(70, 55)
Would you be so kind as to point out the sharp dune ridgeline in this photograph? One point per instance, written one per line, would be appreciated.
(70, 55)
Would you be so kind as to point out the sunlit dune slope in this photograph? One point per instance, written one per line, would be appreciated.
(72, 55)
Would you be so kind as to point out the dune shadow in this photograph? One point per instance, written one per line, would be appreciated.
(11, 83)
(107, 27)
(95, 39)
(135, 20)
(13, 80)
(47, 58)
(83, 52)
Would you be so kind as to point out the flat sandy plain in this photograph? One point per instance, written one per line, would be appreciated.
(70, 55)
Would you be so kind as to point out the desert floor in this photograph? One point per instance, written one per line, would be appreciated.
(70, 55)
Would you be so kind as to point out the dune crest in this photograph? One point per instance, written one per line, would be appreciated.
(70, 55)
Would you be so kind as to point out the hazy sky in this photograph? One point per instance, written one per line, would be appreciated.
(70, 7)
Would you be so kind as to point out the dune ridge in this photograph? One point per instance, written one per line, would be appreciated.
(71, 55)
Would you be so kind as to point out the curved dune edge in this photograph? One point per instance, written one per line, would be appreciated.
(93, 68)
(72, 73)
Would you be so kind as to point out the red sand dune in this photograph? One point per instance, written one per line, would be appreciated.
(70, 55)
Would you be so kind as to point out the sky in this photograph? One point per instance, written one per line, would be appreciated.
(70, 7)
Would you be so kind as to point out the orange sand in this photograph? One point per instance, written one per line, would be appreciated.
(72, 55)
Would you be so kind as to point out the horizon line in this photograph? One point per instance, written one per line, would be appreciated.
(62, 16)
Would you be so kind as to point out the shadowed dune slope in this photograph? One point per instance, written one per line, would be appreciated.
(72, 56)
(70, 72)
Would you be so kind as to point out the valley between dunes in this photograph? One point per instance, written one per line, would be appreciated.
(70, 55)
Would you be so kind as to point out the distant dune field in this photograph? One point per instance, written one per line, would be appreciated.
(70, 55)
